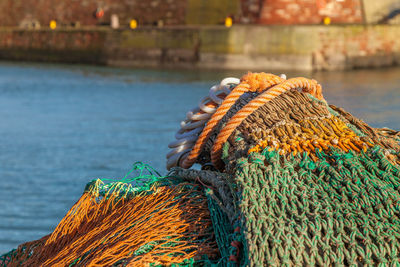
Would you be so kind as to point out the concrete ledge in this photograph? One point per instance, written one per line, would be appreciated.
(239, 47)
(255, 62)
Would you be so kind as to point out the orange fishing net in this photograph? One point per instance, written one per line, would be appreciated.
(170, 225)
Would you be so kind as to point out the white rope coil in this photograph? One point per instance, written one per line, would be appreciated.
(196, 119)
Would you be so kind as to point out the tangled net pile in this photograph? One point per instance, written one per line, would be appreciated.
(286, 179)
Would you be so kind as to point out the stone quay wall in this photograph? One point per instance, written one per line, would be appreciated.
(304, 47)
(193, 12)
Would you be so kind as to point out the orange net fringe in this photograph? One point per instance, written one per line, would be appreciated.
(173, 221)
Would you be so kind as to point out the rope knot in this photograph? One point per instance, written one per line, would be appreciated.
(314, 89)
(259, 81)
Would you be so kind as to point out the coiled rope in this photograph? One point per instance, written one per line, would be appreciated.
(202, 120)
(196, 119)
(305, 85)
(252, 82)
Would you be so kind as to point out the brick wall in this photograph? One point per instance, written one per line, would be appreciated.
(310, 11)
(179, 12)
(250, 11)
(147, 12)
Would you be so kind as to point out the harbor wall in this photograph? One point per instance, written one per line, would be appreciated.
(25, 13)
(313, 47)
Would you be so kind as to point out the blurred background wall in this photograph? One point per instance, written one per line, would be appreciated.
(172, 12)
(310, 34)
(309, 11)
(189, 12)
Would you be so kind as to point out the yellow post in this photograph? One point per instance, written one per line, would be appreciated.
(133, 24)
(53, 24)
(327, 20)
(228, 22)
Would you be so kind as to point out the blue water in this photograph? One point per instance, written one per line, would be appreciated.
(62, 126)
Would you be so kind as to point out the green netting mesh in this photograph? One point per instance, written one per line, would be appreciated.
(343, 209)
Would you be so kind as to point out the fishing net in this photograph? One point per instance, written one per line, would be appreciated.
(286, 179)
(143, 220)
(312, 184)
(317, 187)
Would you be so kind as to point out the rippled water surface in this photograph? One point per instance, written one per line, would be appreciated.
(62, 126)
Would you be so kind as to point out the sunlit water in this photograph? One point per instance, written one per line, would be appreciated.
(62, 126)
